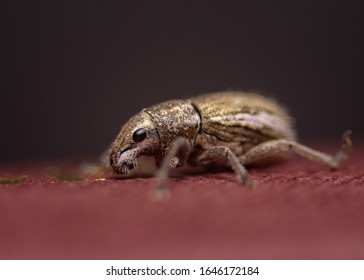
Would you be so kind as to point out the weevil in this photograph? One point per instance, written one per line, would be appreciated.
(224, 128)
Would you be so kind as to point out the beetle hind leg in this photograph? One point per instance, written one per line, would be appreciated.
(346, 145)
(274, 147)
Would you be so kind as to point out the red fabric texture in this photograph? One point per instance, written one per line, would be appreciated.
(298, 210)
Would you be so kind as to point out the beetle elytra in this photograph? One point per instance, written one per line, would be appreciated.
(225, 128)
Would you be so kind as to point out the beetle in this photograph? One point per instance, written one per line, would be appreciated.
(225, 128)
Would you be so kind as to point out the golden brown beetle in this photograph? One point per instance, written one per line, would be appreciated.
(233, 128)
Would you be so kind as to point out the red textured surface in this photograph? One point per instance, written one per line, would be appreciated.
(298, 210)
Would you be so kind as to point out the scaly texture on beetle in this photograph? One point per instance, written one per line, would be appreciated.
(226, 128)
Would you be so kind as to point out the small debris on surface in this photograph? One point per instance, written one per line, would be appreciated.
(61, 175)
(100, 179)
(11, 180)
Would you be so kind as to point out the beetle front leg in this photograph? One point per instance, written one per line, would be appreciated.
(175, 157)
(274, 147)
(219, 152)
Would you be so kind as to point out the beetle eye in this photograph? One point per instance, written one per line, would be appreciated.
(139, 135)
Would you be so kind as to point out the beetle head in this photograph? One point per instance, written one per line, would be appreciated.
(138, 136)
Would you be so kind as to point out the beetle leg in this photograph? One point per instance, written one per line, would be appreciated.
(274, 147)
(218, 152)
(175, 157)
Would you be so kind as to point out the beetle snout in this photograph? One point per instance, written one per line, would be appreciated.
(114, 157)
(123, 160)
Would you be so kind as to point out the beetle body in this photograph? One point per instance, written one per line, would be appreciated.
(233, 128)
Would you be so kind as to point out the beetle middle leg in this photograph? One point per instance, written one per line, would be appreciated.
(274, 147)
(218, 152)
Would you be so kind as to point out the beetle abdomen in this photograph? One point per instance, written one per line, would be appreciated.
(243, 117)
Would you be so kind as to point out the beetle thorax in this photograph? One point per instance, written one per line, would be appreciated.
(173, 119)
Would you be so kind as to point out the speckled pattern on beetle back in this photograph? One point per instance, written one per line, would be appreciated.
(227, 128)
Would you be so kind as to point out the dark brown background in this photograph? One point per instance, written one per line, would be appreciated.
(74, 71)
